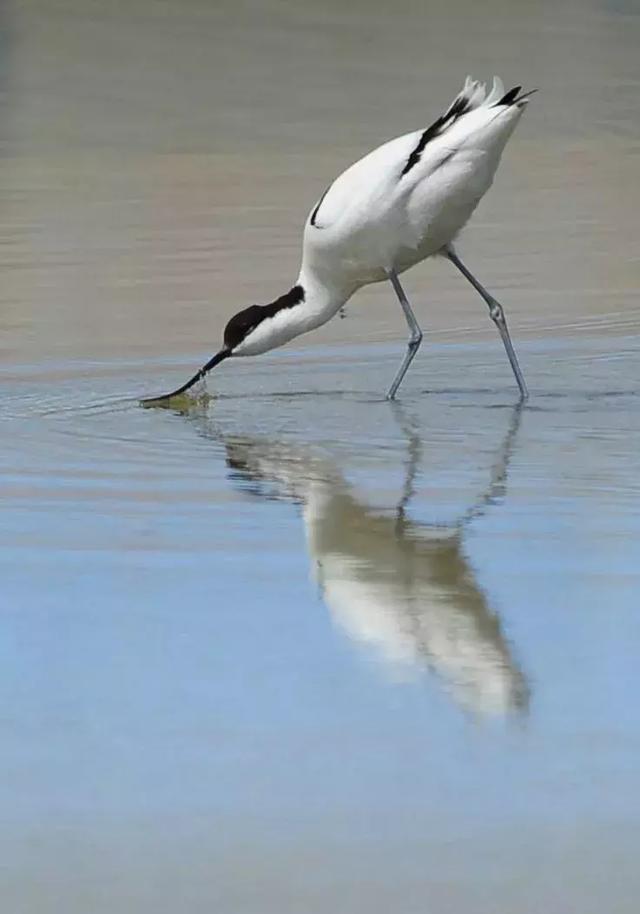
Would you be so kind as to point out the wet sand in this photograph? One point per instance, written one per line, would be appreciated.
(299, 649)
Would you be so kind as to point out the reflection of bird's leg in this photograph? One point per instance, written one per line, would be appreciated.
(414, 455)
(497, 484)
(498, 481)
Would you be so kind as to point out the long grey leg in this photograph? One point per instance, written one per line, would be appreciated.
(497, 316)
(415, 336)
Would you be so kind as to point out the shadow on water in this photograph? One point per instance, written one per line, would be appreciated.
(402, 588)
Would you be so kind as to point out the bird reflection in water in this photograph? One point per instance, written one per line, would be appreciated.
(404, 589)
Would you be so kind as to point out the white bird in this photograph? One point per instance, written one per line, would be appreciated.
(405, 201)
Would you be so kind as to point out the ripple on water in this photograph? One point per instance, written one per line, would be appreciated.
(83, 441)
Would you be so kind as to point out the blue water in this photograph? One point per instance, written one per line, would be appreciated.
(203, 708)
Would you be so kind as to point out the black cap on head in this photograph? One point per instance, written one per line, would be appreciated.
(244, 322)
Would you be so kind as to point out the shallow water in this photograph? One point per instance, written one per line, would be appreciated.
(299, 649)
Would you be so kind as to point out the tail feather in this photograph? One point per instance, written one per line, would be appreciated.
(471, 96)
(510, 97)
(515, 96)
(496, 93)
(474, 95)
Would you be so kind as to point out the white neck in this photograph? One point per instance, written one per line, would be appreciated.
(323, 296)
(322, 300)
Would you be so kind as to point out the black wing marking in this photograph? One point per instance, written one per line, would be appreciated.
(457, 109)
(314, 214)
(242, 323)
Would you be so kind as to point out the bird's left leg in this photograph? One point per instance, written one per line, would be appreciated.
(496, 314)
(415, 337)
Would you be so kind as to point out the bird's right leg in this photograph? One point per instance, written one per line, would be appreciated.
(415, 337)
(496, 314)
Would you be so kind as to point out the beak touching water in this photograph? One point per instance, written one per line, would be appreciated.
(215, 360)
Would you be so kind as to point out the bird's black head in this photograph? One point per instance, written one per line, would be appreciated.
(245, 321)
(236, 331)
(241, 325)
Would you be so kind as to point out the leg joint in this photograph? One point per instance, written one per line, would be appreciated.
(496, 312)
(415, 339)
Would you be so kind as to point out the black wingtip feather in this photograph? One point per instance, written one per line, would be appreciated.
(510, 97)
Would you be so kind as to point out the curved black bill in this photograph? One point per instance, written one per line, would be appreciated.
(218, 357)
